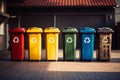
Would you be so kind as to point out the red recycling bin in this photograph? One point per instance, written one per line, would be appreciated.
(17, 43)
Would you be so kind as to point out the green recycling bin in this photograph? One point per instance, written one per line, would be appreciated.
(69, 43)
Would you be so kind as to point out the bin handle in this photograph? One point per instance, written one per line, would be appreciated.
(106, 28)
(68, 28)
(50, 27)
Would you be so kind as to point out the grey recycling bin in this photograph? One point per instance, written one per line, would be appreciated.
(104, 43)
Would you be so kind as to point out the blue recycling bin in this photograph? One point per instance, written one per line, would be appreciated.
(87, 43)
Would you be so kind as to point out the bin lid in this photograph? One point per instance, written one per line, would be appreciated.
(87, 30)
(105, 30)
(34, 30)
(69, 30)
(51, 30)
(17, 30)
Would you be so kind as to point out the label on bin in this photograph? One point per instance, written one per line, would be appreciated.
(105, 40)
(16, 40)
(69, 40)
(33, 40)
(87, 40)
(51, 40)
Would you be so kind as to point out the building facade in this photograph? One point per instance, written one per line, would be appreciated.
(117, 23)
(62, 13)
(117, 12)
(3, 23)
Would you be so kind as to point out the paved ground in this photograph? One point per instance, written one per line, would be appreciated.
(60, 70)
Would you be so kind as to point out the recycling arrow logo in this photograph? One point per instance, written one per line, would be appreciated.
(87, 40)
(16, 40)
(51, 40)
(69, 40)
(33, 40)
(105, 40)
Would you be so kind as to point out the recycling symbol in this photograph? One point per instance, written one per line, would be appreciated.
(105, 40)
(51, 40)
(33, 40)
(87, 40)
(69, 40)
(16, 40)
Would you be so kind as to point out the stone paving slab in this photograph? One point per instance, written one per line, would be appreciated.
(60, 70)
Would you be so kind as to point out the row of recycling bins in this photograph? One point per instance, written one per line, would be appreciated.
(86, 35)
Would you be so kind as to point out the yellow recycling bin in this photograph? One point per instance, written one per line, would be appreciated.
(51, 35)
(34, 37)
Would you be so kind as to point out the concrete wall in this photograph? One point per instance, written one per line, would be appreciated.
(2, 41)
(117, 12)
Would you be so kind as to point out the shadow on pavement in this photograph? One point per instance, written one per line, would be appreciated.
(115, 60)
(35, 74)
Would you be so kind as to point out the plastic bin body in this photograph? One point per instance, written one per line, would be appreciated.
(51, 37)
(69, 43)
(17, 43)
(87, 43)
(34, 35)
(104, 44)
